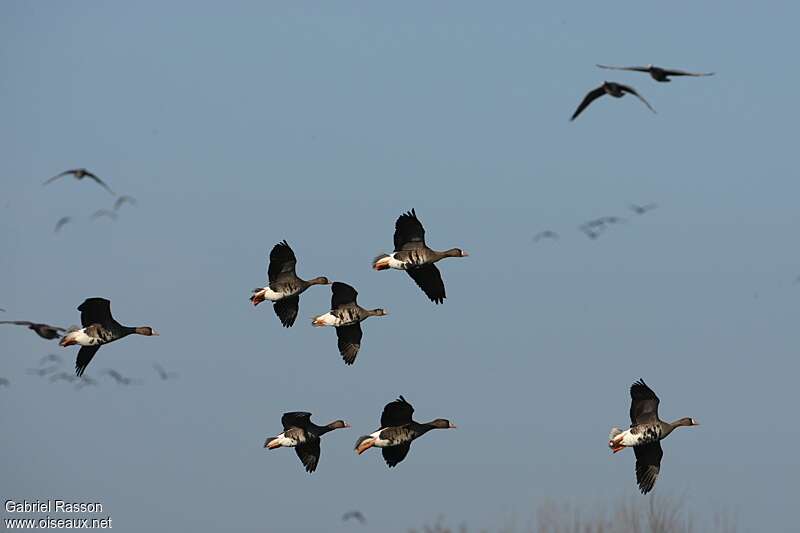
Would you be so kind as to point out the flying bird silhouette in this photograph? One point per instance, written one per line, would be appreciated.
(79, 174)
(658, 73)
(642, 209)
(617, 90)
(163, 374)
(4, 382)
(116, 376)
(45, 331)
(356, 515)
(123, 200)
(61, 223)
(546, 234)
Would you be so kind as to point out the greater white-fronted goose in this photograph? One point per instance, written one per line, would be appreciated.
(658, 73)
(79, 174)
(645, 434)
(397, 432)
(617, 90)
(346, 316)
(413, 255)
(45, 331)
(284, 287)
(300, 433)
(99, 328)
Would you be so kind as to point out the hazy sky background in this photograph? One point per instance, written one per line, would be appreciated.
(240, 124)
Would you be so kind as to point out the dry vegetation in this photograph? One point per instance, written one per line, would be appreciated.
(653, 515)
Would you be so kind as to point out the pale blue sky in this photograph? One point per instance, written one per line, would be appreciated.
(242, 124)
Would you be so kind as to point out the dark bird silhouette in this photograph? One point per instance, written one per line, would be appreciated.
(355, 515)
(116, 376)
(413, 255)
(104, 213)
(61, 223)
(300, 433)
(79, 174)
(346, 316)
(546, 234)
(163, 374)
(123, 200)
(45, 331)
(658, 73)
(642, 209)
(645, 434)
(4, 382)
(398, 431)
(99, 328)
(617, 90)
(284, 287)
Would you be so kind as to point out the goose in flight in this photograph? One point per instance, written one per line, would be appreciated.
(284, 287)
(104, 213)
(617, 90)
(99, 328)
(300, 433)
(413, 255)
(546, 234)
(642, 209)
(658, 73)
(61, 223)
(45, 331)
(645, 434)
(122, 200)
(398, 431)
(163, 374)
(355, 515)
(346, 316)
(79, 174)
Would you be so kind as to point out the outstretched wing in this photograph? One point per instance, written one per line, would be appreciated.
(408, 232)
(308, 452)
(396, 413)
(349, 339)
(296, 419)
(85, 355)
(95, 311)
(429, 279)
(394, 454)
(635, 69)
(281, 261)
(590, 97)
(99, 182)
(673, 72)
(644, 404)
(648, 465)
(54, 178)
(342, 294)
(632, 91)
(286, 309)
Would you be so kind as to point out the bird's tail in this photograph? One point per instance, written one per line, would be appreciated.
(614, 432)
(381, 262)
(271, 444)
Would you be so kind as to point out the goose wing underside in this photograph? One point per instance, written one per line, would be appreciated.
(396, 413)
(590, 97)
(644, 404)
(648, 465)
(429, 279)
(394, 454)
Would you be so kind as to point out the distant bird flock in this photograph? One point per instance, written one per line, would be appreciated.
(397, 428)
